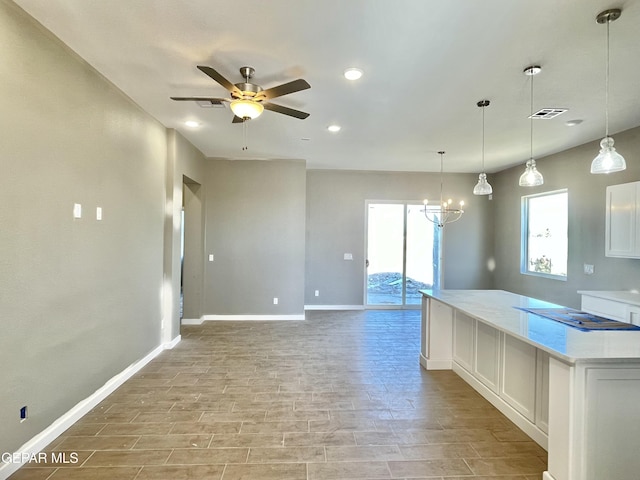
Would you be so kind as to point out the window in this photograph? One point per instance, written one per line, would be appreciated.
(544, 234)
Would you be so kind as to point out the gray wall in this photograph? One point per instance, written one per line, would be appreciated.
(80, 299)
(336, 225)
(255, 224)
(184, 163)
(569, 169)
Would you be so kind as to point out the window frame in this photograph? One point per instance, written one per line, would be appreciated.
(524, 235)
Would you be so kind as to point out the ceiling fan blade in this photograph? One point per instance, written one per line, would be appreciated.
(286, 88)
(237, 119)
(199, 99)
(285, 110)
(219, 78)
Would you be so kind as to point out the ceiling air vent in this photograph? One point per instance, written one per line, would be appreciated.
(548, 113)
(210, 103)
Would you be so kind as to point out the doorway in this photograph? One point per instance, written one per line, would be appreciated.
(191, 252)
(403, 254)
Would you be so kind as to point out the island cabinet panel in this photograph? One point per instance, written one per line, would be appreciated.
(611, 426)
(437, 333)
(519, 376)
(487, 361)
(542, 391)
(464, 340)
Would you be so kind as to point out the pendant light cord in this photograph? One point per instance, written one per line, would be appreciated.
(483, 139)
(441, 179)
(606, 88)
(531, 122)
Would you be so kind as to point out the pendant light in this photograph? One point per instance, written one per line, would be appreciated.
(608, 160)
(482, 187)
(445, 212)
(531, 176)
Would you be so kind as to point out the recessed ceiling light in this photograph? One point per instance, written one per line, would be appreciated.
(334, 128)
(352, 73)
(192, 123)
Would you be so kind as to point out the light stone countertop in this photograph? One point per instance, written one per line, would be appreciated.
(496, 308)
(632, 298)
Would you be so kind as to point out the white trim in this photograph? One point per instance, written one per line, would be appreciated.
(172, 343)
(66, 420)
(192, 321)
(251, 318)
(334, 307)
(547, 476)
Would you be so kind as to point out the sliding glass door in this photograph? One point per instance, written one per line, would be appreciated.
(403, 251)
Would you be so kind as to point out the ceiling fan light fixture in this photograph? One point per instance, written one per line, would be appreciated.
(246, 109)
(353, 73)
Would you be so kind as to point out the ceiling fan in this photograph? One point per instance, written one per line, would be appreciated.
(248, 100)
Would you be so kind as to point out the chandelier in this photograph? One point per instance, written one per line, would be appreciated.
(445, 212)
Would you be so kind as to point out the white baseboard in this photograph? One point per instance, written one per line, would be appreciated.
(172, 343)
(547, 476)
(334, 307)
(251, 318)
(192, 321)
(434, 364)
(44, 438)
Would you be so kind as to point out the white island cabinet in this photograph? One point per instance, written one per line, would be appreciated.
(576, 393)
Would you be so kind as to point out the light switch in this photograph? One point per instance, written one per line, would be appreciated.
(98, 213)
(211, 257)
(588, 269)
(77, 210)
(348, 256)
(275, 300)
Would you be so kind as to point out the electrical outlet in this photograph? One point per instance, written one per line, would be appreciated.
(275, 300)
(317, 293)
(588, 269)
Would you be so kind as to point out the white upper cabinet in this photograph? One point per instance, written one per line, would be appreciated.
(623, 221)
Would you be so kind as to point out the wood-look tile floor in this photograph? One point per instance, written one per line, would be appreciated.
(338, 396)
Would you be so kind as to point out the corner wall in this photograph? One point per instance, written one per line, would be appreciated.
(81, 298)
(568, 169)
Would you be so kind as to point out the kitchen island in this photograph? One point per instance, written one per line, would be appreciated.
(576, 393)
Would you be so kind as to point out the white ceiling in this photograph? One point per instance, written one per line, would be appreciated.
(426, 65)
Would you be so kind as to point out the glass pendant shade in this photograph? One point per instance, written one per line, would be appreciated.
(482, 187)
(531, 176)
(246, 108)
(608, 160)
